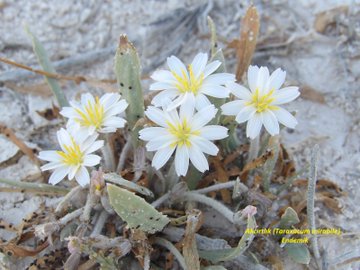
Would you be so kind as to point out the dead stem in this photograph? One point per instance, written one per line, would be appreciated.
(36, 187)
(67, 198)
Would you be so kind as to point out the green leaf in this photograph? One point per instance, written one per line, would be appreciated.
(220, 255)
(127, 71)
(117, 179)
(289, 218)
(298, 252)
(135, 211)
(45, 63)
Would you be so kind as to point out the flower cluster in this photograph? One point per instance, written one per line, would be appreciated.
(87, 119)
(181, 116)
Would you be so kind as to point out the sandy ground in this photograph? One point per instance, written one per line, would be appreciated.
(325, 60)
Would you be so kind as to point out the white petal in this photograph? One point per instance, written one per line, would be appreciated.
(94, 147)
(239, 91)
(58, 175)
(161, 99)
(73, 171)
(88, 142)
(211, 68)
(87, 98)
(219, 79)
(160, 142)
(156, 115)
(286, 95)
(150, 133)
(252, 76)
(82, 176)
(232, 107)
(276, 80)
(162, 76)
(201, 101)
(245, 114)
(263, 77)
(198, 159)
(68, 112)
(83, 135)
(270, 122)
(214, 132)
(161, 86)
(181, 160)
(253, 126)
(176, 66)
(117, 108)
(91, 160)
(107, 130)
(187, 108)
(115, 122)
(51, 166)
(177, 102)
(205, 145)
(172, 116)
(64, 138)
(204, 116)
(49, 156)
(109, 99)
(199, 63)
(161, 157)
(285, 118)
(214, 90)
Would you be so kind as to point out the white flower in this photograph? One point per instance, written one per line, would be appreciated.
(194, 82)
(187, 133)
(74, 157)
(94, 114)
(259, 106)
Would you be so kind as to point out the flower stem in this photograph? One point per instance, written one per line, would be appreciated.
(36, 186)
(167, 244)
(254, 149)
(124, 154)
(109, 161)
(100, 223)
(193, 177)
(171, 178)
(194, 196)
(311, 201)
(216, 187)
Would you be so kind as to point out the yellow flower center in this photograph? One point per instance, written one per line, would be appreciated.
(189, 83)
(182, 132)
(262, 102)
(94, 115)
(73, 155)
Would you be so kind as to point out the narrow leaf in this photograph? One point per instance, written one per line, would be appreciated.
(117, 179)
(45, 63)
(220, 255)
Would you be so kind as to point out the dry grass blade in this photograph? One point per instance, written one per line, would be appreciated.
(222, 177)
(9, 133)
(190, 252)
(12, 249)
(250, 26)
